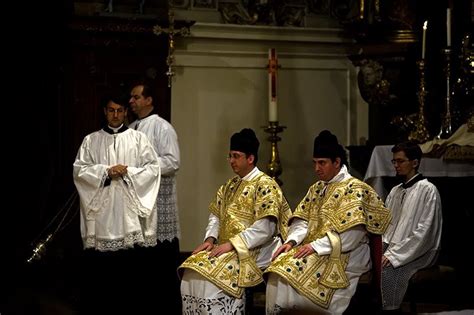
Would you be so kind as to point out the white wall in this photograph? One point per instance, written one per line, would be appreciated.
(221, 86)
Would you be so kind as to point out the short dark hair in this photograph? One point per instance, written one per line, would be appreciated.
(412, 150)
(115, 95)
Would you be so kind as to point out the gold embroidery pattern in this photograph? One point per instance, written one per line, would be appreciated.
(223, 271)
(330, 207)
(238, 205)
(344, 205)
(304, 275)
(252, 274)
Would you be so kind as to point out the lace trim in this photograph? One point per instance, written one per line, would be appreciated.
(167, 210)
(128, 241)
(132, 200)
(222, 305)
(98, 200)
(277, 309)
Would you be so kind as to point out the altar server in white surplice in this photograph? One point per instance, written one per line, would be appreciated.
(117, 176)
(412, 240)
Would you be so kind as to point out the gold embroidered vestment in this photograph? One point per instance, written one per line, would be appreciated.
(330, 209)
(238, 204)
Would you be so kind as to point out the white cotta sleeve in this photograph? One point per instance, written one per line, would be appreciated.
(89, 178)
(168, 150)
(212, 229)
(350, 239)
(297, 230)
(259, 233)
(143, 181)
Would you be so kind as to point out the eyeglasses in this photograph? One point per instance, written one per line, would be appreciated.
(399, 161)
(118, 110)
(234, 156)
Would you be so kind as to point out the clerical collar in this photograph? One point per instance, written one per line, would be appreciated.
(341, 176)
(113, 130)
(252, 174)
(412, 181)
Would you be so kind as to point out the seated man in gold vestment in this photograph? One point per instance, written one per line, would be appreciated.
(246, 218)
(326, 250)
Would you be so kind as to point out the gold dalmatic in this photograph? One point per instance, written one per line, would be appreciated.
(330, 209)
(238, 205)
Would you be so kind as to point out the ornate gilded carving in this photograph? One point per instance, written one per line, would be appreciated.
(236, 13)
(392, 19)
(463, 86)
(290, 15)
(280, 13)
(374, 88)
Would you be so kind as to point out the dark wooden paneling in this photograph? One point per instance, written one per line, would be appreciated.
(86, 56)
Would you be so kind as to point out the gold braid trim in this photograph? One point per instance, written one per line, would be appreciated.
(249, 275)
(222, 271)
(340, 207)
(304, 274)
(334, 276)
(284, 218)
(330, 209)
(238, 205)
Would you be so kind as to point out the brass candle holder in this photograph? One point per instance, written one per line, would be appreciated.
(274, 168)
(446, 127)
(420, 133)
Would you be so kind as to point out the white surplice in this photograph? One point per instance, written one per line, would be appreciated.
(118, 213)
(413, 238)
(165, 142)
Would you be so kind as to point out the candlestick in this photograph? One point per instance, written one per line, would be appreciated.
(446, 127)
(423, 44)
(274, 168)
(272, 85)
(420, 133)
(448, 27)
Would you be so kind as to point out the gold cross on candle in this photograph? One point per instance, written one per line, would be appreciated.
(272, 85)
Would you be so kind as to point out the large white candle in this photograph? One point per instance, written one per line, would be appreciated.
(272, 85)
(423, 44)
(448, 27)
